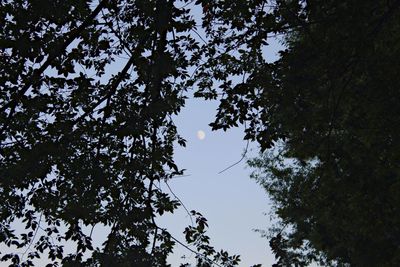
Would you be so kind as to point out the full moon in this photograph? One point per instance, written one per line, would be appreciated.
(201, 135)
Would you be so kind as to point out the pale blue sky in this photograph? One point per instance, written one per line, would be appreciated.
(232, 202)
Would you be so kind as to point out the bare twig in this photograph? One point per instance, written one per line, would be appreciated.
(180, 201)
(236, 163)
(34, 236)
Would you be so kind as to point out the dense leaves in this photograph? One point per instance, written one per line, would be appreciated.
(88, 92)
(327, 112)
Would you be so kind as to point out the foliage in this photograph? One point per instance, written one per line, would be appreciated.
(196, 235)
(84, 141)
(327, 114)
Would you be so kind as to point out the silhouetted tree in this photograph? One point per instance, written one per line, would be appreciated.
(88, 92)
(327, 115)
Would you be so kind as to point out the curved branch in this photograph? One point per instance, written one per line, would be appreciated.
(236, 163)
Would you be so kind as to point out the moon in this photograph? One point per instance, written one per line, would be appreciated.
(201, 135)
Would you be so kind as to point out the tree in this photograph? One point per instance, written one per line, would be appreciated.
(327, 116)
(83, 144)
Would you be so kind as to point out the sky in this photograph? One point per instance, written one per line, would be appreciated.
(233, 204)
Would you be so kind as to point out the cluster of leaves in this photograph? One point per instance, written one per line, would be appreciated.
(206, 255)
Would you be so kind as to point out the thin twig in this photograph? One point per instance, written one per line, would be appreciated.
(180, 201)
(198, 34)
(34, 236)
(236, 163)
(91, 231)
(181, 176)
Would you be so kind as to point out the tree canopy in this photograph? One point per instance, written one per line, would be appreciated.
(330, 110)
(89, 90)
(84, 141)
